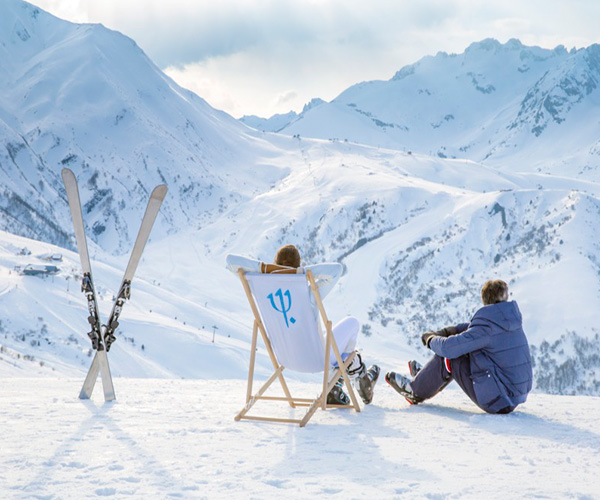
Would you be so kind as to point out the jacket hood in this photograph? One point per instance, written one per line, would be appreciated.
(506, 315)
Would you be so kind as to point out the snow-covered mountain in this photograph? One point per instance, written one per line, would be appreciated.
(280, 121)
(506, 105)
(88, 98)
(418, 237)
(418, 233)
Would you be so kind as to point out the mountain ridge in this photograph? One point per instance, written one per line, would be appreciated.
(481, 104)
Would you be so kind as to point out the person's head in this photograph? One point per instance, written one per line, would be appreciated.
(288, 255)
(494, 291)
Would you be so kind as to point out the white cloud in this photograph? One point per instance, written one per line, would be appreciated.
(285, 98)
(244, 55)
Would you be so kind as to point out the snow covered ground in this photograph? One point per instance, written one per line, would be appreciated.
(177, 439)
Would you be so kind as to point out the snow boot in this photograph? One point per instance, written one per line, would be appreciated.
(401, 384)
(337, 396)
(414, 367)
(366, 384)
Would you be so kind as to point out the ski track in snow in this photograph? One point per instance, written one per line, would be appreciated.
(178, 439)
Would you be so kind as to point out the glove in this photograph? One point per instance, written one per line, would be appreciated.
(447, 331)
(426, 338)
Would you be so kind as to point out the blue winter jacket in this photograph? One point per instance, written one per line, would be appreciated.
(499, 355)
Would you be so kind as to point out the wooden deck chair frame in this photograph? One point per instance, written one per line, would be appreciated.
(328, 382)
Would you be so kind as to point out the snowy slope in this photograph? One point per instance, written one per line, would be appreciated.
(43, 322)
(417, 250)
(177, 438)
(418, 237)
(506, 105)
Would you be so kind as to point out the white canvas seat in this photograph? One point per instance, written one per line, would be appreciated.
(287, 309)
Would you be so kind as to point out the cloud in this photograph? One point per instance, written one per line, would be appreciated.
(244, 56)
(180, 32)
(242, 83)
(285, 98)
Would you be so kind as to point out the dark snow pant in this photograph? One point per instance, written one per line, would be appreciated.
(434, 376)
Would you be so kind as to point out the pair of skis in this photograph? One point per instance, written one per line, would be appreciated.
(102, 336)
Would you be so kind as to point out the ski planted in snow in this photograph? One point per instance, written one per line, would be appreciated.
(102, 336)
(156, 199)
(87, 283)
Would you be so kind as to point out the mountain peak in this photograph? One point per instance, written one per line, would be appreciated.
(405, 71)
(482, 104)
(487, 44)
(491, 44)
(72, 92)
(313, 103)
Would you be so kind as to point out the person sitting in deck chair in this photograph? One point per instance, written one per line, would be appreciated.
(345, 331)
(489, 357)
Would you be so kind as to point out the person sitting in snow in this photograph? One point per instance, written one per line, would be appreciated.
(345, 331)
(489, 357)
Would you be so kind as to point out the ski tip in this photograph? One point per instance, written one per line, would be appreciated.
(159, 192)
(67, 173)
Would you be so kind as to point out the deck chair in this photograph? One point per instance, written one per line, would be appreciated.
(289, 327)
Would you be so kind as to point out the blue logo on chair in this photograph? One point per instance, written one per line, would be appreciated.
(284, 310)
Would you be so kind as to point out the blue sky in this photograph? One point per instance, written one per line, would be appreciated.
(272, 56)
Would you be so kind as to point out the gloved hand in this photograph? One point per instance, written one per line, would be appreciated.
(426, 338)
(447, 331)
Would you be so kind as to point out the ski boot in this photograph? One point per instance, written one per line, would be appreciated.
(401, 384)
(337, 396)
(414, 367)
(366, 384)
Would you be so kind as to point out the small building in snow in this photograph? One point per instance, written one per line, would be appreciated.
(35, 270)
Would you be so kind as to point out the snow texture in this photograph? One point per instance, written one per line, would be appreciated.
(178, 439)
